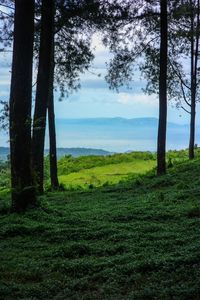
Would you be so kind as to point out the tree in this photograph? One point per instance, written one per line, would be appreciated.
(161, 143)
(23, 194)
(184, 52)
(43, 90)
(194, 65)
(72, 55)
(149, 51)
(52, 130)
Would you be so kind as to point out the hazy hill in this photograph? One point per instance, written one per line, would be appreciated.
(75, 152)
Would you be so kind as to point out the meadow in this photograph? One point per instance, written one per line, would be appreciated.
(134, 240)
(88, 172)
(105, 175)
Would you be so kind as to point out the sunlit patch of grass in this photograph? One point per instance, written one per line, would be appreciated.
(110, 174)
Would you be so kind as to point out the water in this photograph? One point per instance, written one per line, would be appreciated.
(119, 135)
(115, 134)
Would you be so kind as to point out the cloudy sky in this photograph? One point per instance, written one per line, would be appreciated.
(95, 99)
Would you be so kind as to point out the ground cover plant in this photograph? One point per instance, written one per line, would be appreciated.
(134, 240)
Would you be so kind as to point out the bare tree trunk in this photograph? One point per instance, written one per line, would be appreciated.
(52, 131)
(194, 66)
(43, 91)
(23, 193)
(161, 147)
(192, 117)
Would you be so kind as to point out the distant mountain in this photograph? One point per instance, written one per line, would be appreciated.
(79, 152)
(4, 152)
(114, 121)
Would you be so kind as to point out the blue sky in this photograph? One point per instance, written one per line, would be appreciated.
(95, 99)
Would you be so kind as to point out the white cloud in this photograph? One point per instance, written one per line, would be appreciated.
(5, 81)
(3, 93)
(97, 44)
(137, 99)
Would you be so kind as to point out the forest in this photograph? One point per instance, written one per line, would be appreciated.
(100, 225)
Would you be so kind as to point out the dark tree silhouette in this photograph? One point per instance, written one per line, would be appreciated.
(52, 129)
(194, 39)
(23, 194)
(43, 90)
(161, 144)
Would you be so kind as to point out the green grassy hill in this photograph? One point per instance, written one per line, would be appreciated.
(95, 171)
(106, 175)
(134, 240)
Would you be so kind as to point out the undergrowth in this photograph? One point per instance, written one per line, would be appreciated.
(136, 240)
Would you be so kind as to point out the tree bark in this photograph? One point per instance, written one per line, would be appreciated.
(42, 92)
(23, 194)
(192, 117)
(52, 131)
(162, 126)
(194, 65)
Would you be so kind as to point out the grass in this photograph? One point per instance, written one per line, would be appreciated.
(69, 164)
(135, 240)
(108, 174)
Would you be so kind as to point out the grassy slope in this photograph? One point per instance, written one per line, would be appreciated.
(87, 171)
(110, 174)
(134, 241)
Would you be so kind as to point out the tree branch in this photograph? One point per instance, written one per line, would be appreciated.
(6, 14)
(7, 6)
(186, 110)
(179, 75)
(184, 96)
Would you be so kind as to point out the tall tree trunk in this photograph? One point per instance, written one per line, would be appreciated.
(194, 65)
(52, 131)
(162, 126)
(42, 91)
(192, 117)
(23, 194)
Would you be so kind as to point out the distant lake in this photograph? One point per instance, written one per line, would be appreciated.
(116, 134)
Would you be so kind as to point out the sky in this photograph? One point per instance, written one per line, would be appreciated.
(95, 99)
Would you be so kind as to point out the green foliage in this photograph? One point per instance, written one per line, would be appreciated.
(4, 175)
(135, 240)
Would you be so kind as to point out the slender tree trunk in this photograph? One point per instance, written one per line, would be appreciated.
(162, 126)
(42, 91)
(52, 131)
(23, 194)
(194, 65)
(192, 130)
(192, 117)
